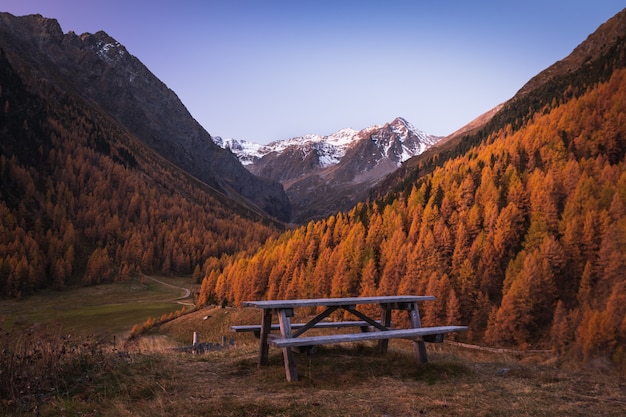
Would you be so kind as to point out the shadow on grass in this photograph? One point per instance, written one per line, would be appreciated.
(335, 366)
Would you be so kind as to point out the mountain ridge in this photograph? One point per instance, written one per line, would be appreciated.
(326, 174)
(590, 62)
(250, 152)
(83, 201)
(101, 70)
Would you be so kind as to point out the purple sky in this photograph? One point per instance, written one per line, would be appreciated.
(270, 70)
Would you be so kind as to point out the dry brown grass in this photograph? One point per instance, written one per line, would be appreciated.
(345, 380)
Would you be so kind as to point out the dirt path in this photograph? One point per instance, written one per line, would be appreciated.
(177, 299)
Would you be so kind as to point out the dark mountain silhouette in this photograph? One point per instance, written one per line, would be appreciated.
(101, 71)
(84, 198)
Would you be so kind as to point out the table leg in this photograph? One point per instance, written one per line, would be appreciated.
(285, 329)
(418, 343)
(383, 344)
(266, 327)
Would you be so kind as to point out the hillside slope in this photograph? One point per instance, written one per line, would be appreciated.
(521, 235)
(100, 70)
(84, 200)
(593, 61)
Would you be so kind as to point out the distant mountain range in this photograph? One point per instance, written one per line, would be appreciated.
(331, 148)
(326, 174)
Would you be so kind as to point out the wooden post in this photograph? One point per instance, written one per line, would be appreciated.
(285, 330)
(418, 343)
(194, 342)
(266, 327)
(383, 344)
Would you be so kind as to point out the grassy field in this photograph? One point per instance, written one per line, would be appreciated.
(345, 380)
(147, 379)
(100, 311)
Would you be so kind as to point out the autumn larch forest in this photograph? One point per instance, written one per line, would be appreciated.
(519, 230)
(522, 236)
(83, 202)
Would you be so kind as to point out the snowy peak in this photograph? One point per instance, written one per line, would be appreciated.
(330, 148)
(105, 46)
(325, 174)
(247, 152)
(398, 140)
(404, 128)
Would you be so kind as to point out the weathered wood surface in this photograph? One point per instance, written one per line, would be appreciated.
(284, 319)
(322, 324)
(290, 334)
(419, 347)
(266, 324)
(329, 302)
(358, 337)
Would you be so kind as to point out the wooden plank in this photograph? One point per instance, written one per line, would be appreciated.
(315, 321)
(358, 337)
(329, 302)
(285, 330)
(321, 324)
(383, 344)
(363, 317)
(418, 345)
(266, 323)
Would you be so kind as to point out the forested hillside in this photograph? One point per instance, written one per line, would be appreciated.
(83, 201)
(591, 62)
(522, 237)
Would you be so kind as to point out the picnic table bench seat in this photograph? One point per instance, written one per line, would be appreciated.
(256, 328)
(413, 333)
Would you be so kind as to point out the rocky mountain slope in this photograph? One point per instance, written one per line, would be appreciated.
(330, 149)
(85, 201)
(326, 174)
(594, 60)
(100, 69)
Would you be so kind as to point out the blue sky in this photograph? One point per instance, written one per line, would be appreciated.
(271, 70)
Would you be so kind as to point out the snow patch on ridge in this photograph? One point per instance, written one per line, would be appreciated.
(331, 148)
(392, 140)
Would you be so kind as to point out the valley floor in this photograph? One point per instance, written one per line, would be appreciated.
(346, 380)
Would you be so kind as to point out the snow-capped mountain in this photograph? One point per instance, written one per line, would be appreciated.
(324, 174)
(407, 142)
(399, 140)
(331, 148)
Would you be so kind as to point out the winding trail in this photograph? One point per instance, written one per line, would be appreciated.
(177, 299)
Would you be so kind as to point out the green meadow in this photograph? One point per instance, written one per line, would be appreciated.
(101, 311)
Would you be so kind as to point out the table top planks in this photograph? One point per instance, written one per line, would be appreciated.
(331, 302)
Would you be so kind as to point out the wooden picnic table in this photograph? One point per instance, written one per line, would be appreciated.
(291, 334)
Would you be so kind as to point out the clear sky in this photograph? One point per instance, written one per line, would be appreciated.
(269, 70)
